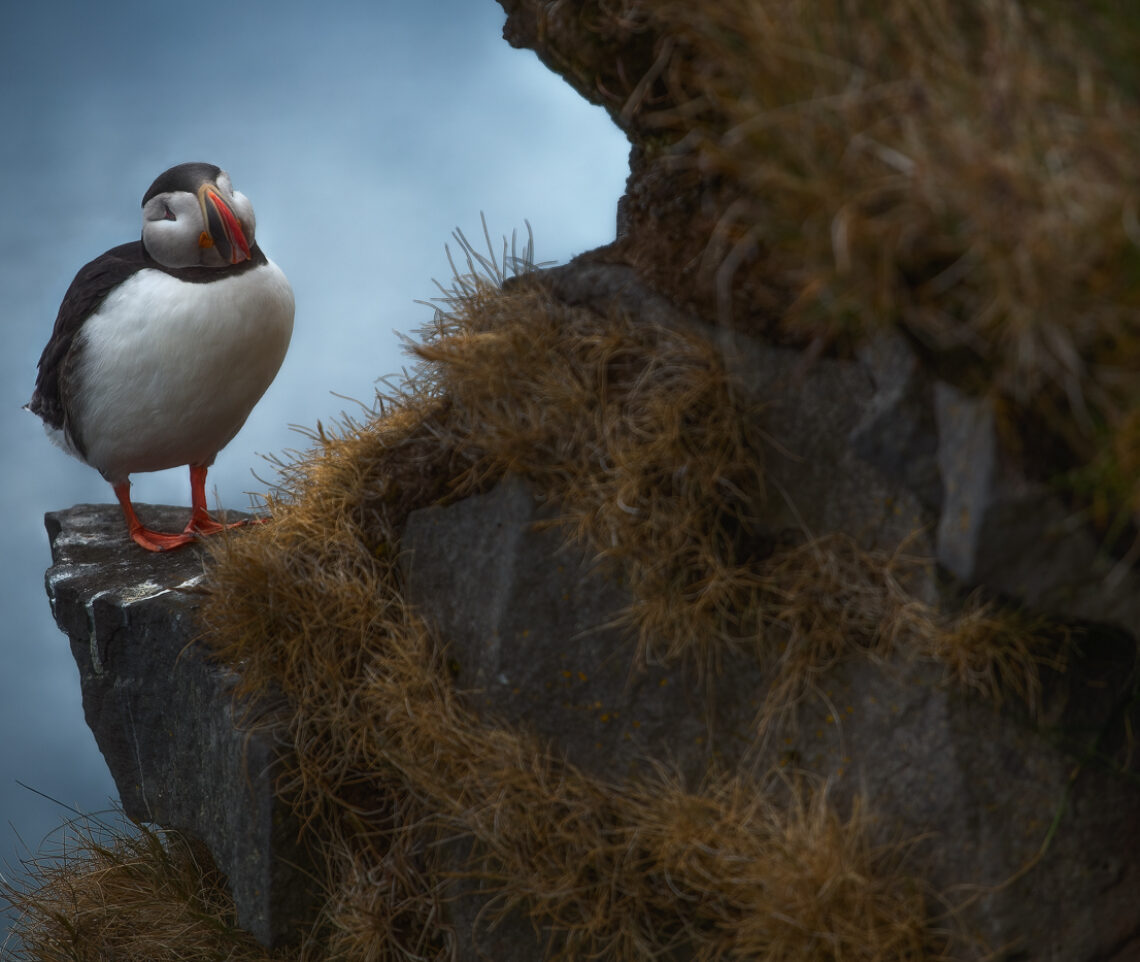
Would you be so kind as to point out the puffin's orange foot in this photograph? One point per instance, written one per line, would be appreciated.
(157, 541)
(203, 524)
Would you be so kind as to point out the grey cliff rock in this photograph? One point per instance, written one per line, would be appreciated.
(528, 623)
(183, 754)
(1013, 535)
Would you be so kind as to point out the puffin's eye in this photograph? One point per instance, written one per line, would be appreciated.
(167, 213)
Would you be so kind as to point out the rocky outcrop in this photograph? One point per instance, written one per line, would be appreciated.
(529, 626)
(1028, 816)
(1036, 818)
(183, 752)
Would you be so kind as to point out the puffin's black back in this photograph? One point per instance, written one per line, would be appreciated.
(87, 291)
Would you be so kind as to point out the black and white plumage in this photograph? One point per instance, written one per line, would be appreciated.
(162, 347)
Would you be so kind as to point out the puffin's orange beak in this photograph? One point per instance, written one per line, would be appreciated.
(223, 230)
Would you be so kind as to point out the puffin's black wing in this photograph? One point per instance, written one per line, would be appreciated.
(89, 289)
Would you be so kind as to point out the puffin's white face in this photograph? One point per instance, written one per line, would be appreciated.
(210, 227)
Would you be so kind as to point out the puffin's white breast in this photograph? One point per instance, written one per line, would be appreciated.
(170, 370)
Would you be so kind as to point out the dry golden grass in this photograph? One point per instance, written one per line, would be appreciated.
(634, 432)
(622, 871)
(655, 460)
(309, 609)
(828, 600)
(964, 170)
(131, 894)
(656, 464)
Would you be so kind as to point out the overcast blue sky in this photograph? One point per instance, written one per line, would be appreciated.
(363, 133)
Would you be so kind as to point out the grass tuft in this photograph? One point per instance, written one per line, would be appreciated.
(634, 431)
(828, 600)
(129, 893)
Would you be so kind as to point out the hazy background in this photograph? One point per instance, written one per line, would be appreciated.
(363, 133)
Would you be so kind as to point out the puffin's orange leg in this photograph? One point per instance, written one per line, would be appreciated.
(142, 535)
(200, 520)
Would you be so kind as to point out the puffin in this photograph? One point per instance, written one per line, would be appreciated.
(163, 346)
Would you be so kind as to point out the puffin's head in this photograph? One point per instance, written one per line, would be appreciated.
(193, 217)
